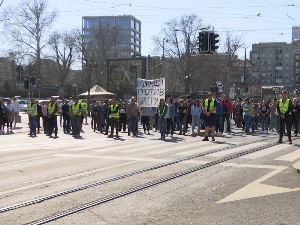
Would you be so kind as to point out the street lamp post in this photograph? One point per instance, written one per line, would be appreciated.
(74, 86)
(163, 58)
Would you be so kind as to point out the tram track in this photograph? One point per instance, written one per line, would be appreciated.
(119, 177)
(147, 185)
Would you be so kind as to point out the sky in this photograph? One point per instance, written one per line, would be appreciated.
(255, 21)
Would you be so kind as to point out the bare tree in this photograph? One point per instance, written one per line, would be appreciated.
(64, 46)
(28, 22)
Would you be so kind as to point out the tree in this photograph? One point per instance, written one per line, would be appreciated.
(28, 23)
(182, 42)
(64, 46)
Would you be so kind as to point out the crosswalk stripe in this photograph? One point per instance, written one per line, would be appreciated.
(265, 152)
(202, 149)
(234, 150)
(290, 157)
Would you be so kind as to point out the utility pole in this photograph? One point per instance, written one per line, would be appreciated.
(188, 65)
(245, 72)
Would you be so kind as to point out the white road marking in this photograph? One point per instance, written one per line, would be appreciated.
(266, 151)
(290, 157)
(234, 150)
(256, 189)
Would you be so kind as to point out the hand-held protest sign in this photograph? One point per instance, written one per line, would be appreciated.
(149, 92)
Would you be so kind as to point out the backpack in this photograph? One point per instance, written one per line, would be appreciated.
(219, 107)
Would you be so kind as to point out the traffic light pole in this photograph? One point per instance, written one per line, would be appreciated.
(188, 66)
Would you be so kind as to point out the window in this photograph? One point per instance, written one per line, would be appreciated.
(278, 49)
(138, 27)
(270, 62)
(132, 33)
(297, 57)
(123, 39)
(287, 55)
(123, 32)
(278, 56)
(137, 49)
(270, 49)
(278, 68)
(107, 22)
(91, 23)
(270, 55)
(138, 42)
(88, 32)
(297, 71)
(263, 74)
(287, 48)
(132, 24)
(123, 46)
(286, 74)
(269, 81)
(297, 64)
(132, 47)
(269, 68)
(269, 74)
(287, 81)
(287, 62)
(263, 55)
(122, 22)
(287, 68)
(138, 36)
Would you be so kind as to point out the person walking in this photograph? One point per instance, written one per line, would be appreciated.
(227, 110)
(52, 117)
(170, 117)
(196, 112)
(16, 106)
(32, 113)
(75, 113)
(97, 117)
(295, 116)
(284, 109)
(209, 110)
(162, 111)
(10, 116)
(3, 117)
(66, 116)
(132, 111)
(264, 116)
(114, 118)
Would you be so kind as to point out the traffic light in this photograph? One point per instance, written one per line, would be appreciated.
(246, 89)
(204, 42)
(26, 83)
(213, 42)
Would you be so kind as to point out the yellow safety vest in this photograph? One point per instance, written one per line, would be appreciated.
(159, 113)
(114, 115)
(51, 108)
(84, 106)
(211, 106)
(30, 109)
(76, 108)
(283, 107)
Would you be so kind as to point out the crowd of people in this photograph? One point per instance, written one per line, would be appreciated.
(110, 117)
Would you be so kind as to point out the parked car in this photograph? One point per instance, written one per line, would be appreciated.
(5, 100)
(23, 105)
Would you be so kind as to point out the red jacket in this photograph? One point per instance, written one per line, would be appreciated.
(229, 106)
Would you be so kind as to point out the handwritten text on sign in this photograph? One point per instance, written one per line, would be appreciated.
(149, 92)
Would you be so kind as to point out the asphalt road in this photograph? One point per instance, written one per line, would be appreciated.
(257, 188)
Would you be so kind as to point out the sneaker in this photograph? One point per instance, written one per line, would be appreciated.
(279, 142)
(205, 139)
(290, 142)
(56, 136)
(213, 139)
(117, 136)
(171, 136)
(148, 132)
(110, 136)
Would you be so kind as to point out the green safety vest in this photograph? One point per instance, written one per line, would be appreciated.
(76, 108)
(283, 107)
(114, 115)
(30, 109)
(211, 106)
(84, 106)
(160, 114)
(51, 108)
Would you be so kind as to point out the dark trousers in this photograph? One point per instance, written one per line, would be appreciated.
(122, 123)
(107, 125)
(98, 123)
(76, 122)
(93, 120)
(295, 121)
(170, 126)
(146, 122)
(66, 124)
(38, 122)
(223, 117)
(114, 123)
(53, 125)
(46, 123)
(218, 122)
(286, 121)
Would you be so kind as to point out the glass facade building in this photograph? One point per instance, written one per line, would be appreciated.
(122, 34)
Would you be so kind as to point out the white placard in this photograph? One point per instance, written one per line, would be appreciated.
(149, 92)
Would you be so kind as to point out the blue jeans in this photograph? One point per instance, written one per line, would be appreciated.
(162, 125)
(247, 120)
(223, 117)
(196, 119)
(264, 123)
(273, 122)
(132, 125)
(32, 124)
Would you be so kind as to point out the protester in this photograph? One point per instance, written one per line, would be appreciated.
(247, 111)
(16, 106)
(75, 113)
(32, 113)
(264, 116)
(295, 116)
(52, 117)
(66, 116)
(181, 110)
(227, 110)
(196, 112)
(98, 119)
(114, 118)
(3, 117)
(209, 110)
(132, 111)
(162, 111)
(170, 117)
(145, 119)
(10, 116)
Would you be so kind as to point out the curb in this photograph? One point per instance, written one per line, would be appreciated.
(296, 167)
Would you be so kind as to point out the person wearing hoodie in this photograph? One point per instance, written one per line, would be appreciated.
(132, 112)
(162, 111)
(196, 112)
(170, 117)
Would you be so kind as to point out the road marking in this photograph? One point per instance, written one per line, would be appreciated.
(266, 151)
(256, 189)
(290, 157)
(234, 150)
(64, 178)
(203, 149)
